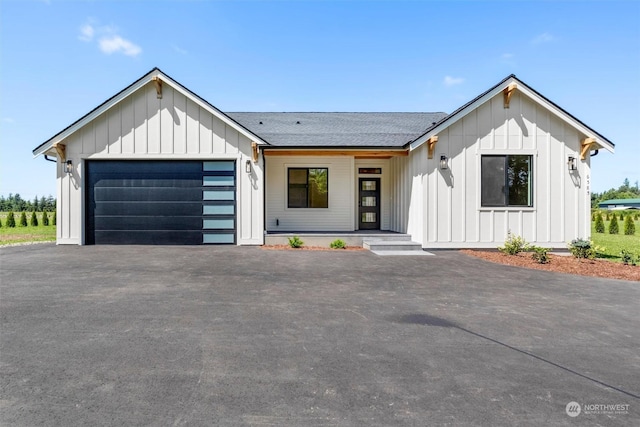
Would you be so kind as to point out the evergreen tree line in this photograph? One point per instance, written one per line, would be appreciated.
(625, 191)
(47, 219)
(628, 218)
(16, 203)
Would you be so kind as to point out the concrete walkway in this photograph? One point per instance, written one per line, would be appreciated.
(113, 335)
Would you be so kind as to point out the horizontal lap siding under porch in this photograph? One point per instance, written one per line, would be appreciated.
(339, 216)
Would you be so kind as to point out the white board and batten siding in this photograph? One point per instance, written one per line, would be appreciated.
(441, 208)
(143, 127)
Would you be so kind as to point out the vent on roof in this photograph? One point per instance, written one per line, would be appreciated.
(260, 122)
(298, 122)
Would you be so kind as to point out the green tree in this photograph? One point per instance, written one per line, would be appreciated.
(45, 219)
(613, 225)
(23, 219)
(53, 218)
(629, 226)
(34, 219)
(11, 220)
(599, 223)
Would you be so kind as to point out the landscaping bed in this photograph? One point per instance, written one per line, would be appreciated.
(310, 248)
(562, 264)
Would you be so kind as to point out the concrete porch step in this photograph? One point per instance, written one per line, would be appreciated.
(391, 245)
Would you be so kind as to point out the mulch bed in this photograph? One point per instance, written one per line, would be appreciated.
(310, 248)
(563, 264)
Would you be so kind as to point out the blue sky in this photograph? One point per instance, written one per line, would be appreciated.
(60, 59)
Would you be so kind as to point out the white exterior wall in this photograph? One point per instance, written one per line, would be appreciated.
(441, 208)
(339, 216)
(142, 127)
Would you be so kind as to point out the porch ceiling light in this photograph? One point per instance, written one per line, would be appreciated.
(68, 166)
(572, 163)
(444, 162)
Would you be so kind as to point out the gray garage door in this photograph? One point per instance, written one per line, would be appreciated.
(160, 202)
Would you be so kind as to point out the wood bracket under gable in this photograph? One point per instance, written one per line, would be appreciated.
(508, 92)
(431, 146)
(254, 152)
(586, 147)
(158, 84)
(61, 151)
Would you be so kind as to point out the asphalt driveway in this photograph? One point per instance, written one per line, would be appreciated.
(130, 335)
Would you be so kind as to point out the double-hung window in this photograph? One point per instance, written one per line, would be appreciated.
(308, 188)
(507, 180)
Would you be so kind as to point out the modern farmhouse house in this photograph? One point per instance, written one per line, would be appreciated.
(157, 164)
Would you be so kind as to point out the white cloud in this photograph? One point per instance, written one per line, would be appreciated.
(108, 39)
(507, 56)
(116, 44)
(7, 120)
(86, 33)
(543, 38)
(452, 81)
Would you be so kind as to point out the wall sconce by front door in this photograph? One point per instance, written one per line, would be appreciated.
(247, 166)
(444, 162)
(572, 163)
(68, 166)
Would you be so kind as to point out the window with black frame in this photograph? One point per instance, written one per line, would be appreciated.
(507, 180)
(308, 188)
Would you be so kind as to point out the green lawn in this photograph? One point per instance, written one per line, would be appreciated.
(26, 234)
(615, 243)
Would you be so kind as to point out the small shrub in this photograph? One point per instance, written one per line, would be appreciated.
(599, 224)
(23, 219)
(629, 226)
(606, 217)
(582, 249)
(338, 244)
(540, 255)
(295, 242)
(11, 220)
(34, 219)
(513, 244)
(45, 218)
(628, 258)
(0, 223)
(613, 225)
(53, 218)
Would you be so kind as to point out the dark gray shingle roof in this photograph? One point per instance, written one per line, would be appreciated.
(337, 129)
